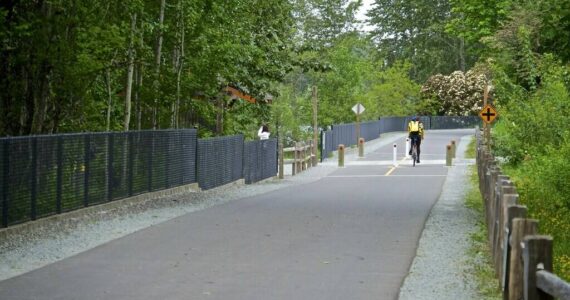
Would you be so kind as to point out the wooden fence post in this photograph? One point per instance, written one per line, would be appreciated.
(294, 165)
(341, 155)
(304, 156)
(512, 211)
(521, 228)
(505, 187)
(493, 174)
(537, 255)
(314, 153)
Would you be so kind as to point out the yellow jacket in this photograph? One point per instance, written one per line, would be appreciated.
(413, 125)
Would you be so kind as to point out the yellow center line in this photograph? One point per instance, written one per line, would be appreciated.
(390, 171)
(393, 168)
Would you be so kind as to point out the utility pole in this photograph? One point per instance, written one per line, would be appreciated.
(315, 128)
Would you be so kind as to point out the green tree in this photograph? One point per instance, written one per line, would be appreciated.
(415, 31)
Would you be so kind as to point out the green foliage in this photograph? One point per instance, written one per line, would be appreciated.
(415, 31)
(529, 69)
(394, 93)
(351, 75)
(526, 129)
(543, 187)
(555, 27)
(475, 19)
(292, 110)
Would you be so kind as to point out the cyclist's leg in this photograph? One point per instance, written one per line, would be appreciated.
(418, 143)
(413, 141)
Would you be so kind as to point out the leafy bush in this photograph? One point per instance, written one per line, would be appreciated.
(527, 128)
(533, 133)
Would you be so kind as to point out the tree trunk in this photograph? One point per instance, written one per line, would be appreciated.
(462, 54)
(158, 50)
(179, 66)
(109, 98)
(41, 98)
(41, 79)
(130, 69)
(220, 115)
(139, 82)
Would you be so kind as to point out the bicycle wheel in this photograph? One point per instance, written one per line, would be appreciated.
(414, 155)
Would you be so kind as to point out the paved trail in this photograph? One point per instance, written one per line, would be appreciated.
(349, 235)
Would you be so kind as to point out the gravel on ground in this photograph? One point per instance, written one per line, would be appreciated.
(442, 269)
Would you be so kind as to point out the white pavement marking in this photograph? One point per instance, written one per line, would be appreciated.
(356, 176)
(389, 162)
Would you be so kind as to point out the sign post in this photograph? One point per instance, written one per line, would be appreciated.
(358, 109)
(488, 114)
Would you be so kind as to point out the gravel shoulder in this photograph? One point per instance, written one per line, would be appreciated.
(442, 268)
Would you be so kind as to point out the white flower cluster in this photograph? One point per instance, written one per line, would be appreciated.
(460, 94)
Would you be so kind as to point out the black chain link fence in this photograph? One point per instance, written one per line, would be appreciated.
(259, 160)
(220, 160)
(47, 175)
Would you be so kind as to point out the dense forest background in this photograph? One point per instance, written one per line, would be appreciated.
(78, 65)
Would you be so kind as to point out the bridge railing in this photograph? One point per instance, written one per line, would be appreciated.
(521, 257)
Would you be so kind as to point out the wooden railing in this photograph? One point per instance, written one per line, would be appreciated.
(522, 258)
(304, 157)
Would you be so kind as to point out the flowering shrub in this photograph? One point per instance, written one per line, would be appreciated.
(458, 94)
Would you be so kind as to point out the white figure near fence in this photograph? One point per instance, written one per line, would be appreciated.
(263, 132)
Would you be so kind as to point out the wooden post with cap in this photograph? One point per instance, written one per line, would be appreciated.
(341, 155)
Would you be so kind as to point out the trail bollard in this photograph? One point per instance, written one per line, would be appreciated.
(361, 147)
(395, 153)
(453, 148)
(341, 155)
(407, 148)
(448, 156)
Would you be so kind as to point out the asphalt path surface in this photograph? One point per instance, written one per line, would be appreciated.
(350, 235)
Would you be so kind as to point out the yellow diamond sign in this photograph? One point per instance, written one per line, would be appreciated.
(488, 114)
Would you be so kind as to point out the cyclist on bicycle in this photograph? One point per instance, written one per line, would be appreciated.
(416, 135)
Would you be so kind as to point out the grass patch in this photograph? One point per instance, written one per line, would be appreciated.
(545, 204)
(479, 251)
(470, 152)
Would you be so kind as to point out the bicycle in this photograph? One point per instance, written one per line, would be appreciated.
(414, 151)
(414, 154)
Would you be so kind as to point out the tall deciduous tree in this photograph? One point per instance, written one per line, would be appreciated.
(414, 30)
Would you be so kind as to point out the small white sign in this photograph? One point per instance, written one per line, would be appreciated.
(358, 108)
